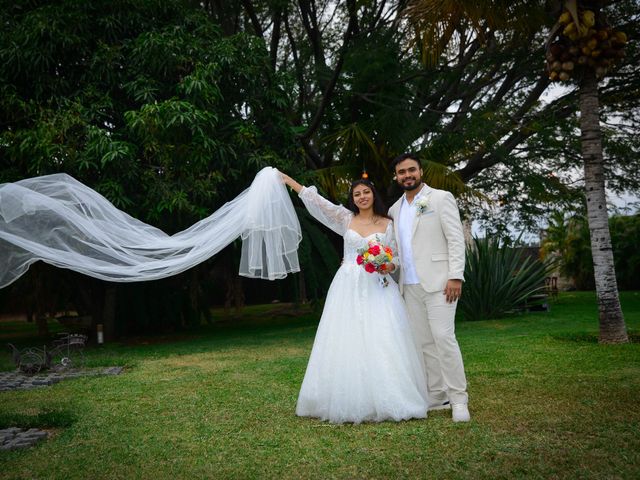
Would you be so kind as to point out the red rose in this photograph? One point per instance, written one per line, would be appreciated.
(370, 268)
(374, 249)
(359, 260)
(382, 267)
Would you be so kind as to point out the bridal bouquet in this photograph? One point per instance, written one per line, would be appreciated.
(374, 258)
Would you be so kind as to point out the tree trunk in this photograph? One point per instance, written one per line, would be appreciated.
(238, 294)
(234, 293)
(302, 289)
(467, 231)
(39, 295)
(612, 326)
(109, 313)
(43, 326)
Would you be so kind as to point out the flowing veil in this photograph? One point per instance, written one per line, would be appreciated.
(63, 222)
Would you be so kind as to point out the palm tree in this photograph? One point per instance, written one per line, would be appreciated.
(437, 20)
(612, 325)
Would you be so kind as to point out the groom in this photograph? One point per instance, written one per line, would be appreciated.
(431, 248)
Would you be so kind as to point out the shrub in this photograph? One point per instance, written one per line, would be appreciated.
(568, 238)
(498, 280)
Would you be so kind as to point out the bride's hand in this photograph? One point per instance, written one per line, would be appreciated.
(287, 180)
(291, 182)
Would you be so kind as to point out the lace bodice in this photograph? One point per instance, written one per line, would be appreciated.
(338, 219)
(353, 241)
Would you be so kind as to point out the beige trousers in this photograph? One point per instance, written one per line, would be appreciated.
(432, 322)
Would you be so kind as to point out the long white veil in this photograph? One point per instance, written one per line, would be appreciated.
(59, 220)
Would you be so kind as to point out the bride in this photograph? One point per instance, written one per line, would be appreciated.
(363, 365)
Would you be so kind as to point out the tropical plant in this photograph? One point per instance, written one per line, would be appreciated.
(361, 95)
(625, 232)
(567, 239)
(148, 103)
(498, 280)
(612, 325)
(582, 16)
(169, 107)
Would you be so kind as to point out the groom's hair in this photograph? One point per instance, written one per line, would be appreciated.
(378, 205)
(403, 157)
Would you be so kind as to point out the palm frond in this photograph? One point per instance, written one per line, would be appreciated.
(335, 181)
(438, 175)
(436, 21)
(353, 142)
(357, 150)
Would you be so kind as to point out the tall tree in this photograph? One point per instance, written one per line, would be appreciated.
(360, 71)
(582, 16)
(151, 105)
(168, 107)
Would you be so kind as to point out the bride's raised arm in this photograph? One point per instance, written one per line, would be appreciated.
(336, 217)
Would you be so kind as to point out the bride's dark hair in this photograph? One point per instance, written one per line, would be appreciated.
(378, 205)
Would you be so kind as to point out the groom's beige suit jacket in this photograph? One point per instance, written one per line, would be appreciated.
(437, 240)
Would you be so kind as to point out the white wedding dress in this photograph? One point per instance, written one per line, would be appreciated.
(363, 365)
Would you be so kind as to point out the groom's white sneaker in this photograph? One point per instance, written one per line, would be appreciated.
(440, 406)
(460, 412)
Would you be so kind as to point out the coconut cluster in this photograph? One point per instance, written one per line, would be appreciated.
(585, 41)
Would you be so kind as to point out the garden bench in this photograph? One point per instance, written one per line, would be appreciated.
(65, 352)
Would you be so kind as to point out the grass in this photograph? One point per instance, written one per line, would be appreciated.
(546, 401)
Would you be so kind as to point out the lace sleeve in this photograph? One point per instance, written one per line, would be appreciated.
(336, 217)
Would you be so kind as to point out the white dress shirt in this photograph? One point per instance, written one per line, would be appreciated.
(406, 218)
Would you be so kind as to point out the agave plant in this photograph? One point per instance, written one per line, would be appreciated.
(498, 280)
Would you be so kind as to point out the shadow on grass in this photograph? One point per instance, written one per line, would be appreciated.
(47, 418)
(634, 337)
(259, 325)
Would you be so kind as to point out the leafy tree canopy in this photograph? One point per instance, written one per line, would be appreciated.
(481, 112)
(146, 101)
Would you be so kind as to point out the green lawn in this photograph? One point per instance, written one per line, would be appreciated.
(546, 402)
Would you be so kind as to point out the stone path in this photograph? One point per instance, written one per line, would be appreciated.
(15, 438)
(16, 380)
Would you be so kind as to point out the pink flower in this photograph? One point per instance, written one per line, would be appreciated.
(374, 249)
(370, 268)
(359, 260)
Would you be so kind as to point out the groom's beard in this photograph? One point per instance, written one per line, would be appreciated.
(410, 186)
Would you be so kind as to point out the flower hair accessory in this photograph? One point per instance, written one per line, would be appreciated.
(421, 205)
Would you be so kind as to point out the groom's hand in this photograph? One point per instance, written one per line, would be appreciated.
(390, 267)
(453, 290)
